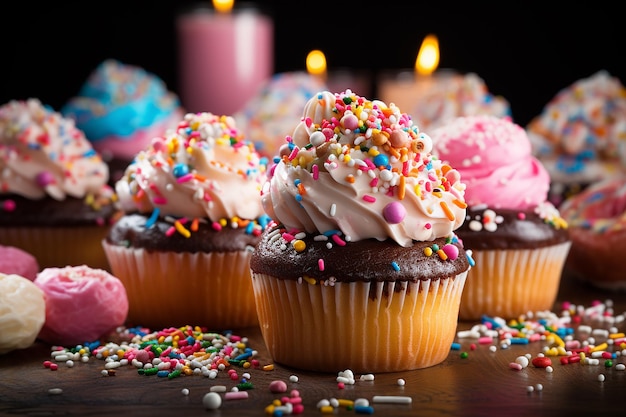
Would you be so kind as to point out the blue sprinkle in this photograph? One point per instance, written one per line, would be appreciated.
(395, 266)
(89, 153)
(153, 218)
(163, 373)
(470, 259)
(243, 356)
(519, 341)
(364, 409)
(455, 346)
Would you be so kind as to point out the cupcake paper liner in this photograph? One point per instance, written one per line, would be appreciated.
(324, 328)
(59, 246)
(169, 289)
(511, 283)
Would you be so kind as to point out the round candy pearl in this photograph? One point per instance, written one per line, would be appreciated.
(394, 212)
(44, 178)
(317, 138)
(451, 251)
(381, 160)
(180, 169)
(212, 401)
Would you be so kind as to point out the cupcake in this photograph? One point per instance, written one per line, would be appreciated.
(580, 135)
(275, 109)
(120, 108)
(192, 216)
(360, 268)
(55, 201)
(15, 261)
(518, 239)
(597, 222)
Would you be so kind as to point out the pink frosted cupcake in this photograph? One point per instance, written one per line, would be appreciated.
(518, 239)
(193, 215)
(362, 269)
(54, 199)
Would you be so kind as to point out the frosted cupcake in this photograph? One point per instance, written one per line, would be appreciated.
(361, 269)
(518, 239)
(193, 215)
(580, 135)
(121, 108)
(55, 201)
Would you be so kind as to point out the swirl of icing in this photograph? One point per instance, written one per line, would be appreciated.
(494, 158)
(362, 169)
(42, 153)
(204, 168)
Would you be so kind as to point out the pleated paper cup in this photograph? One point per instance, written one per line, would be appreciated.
(514, 282)
(169, 289)
(361, 326)
(59, 247)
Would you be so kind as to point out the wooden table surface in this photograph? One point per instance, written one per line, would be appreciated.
(480, 384)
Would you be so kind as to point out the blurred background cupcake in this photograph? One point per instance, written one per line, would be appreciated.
(193, 215)
(518, 239)
(276, 109)
(361, 269)
(580, 136)
(54, 198)
(120, 108)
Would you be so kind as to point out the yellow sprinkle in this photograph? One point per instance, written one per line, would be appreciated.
(327, 409)
(373, 152)
(459, 203)
(277, 402)
(299, 245)
(556, 339)
(181, 229)
(601, 346)
(561, 351)
(582, 357)
(428, 251)
(551, 352)
(269, 409)
(437, 194)
(344, 402)
(268, 367)
(447, 210)
(223, 222)
(246, 365)
(310, 280)
(418, 190)
(616, 335)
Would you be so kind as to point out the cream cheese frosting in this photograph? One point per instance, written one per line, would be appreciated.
(495, 159)
(44, 154)
(361, 169)
(204, 168)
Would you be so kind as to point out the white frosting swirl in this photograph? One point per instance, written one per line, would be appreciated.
(362, 168)
(42, 153)
(201, 169)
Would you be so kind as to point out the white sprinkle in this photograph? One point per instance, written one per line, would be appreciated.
(184, 391)
(55, 391)
(530, 388)
(601, 377)
(401, 382)
(69, 363)
(212, 401)
(620, 367)
(549, 369)
(293, 378)
(539, 387)
(333, 210)
(522, 360)
(367, 377)
(218, 388)
(391, 399)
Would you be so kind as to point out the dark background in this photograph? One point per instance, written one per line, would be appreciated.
(525, 51)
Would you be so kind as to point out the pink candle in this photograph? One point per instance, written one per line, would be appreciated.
(224, 57)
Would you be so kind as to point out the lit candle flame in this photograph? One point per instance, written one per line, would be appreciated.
(428, 56)
(223, 6)
(316, 63)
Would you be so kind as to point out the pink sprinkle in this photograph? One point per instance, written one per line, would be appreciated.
(184, 178)
(298, 409)
(294, 153)
(316, 172)
(341, 385)
(369, 199)
(428, 226)
(288, 237)
(485, 340)
(516, 366)
(8, 205)
(236, 395)
(374, 182)
(521, 215)
(170, 231)
(216, 226)
(320, 264)
(338, 240)
(159, 200)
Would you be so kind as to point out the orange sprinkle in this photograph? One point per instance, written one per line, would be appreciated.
(459, 203)
(447, 210)
(442, 254)
(268, 367)
(350, 179)
(199, 177)
(194, 224)
(401, 189)
(301, 189)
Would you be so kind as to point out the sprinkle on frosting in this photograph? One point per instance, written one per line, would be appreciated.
(43, 153)
(204, 170)
(357, 169)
